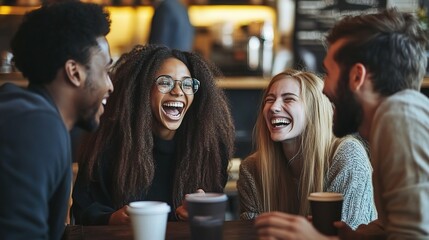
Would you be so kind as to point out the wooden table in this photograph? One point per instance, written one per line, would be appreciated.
(232, 230)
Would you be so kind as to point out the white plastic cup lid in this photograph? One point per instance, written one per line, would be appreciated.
(206, 197)
(148, 207)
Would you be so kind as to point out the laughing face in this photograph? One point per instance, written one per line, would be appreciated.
(284, 110)
(170, 108)
(98, 87)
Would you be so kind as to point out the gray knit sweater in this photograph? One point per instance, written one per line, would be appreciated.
(350, 174)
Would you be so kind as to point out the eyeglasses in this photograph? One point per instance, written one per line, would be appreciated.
(165, 84)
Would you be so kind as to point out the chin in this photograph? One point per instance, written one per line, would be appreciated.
(172, 127)
(89, 125)
(276, 138)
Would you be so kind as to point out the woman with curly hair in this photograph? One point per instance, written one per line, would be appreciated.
(167, 131)
(297, 154)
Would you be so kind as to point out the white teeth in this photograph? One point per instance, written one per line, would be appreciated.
(173, 104)
(280, 120)
(104, 101)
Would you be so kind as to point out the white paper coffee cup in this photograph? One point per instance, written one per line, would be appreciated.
(149, 219)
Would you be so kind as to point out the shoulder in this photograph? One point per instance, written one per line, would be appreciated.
(10, 93)
(401, 122)
(248, 167)
(407, 96)
(15, 101)
(30, 120)
(404, 114)
(172, 7)
(36, 130)
(408, 104)
(249, 163)
(349, 143)
(350, 153)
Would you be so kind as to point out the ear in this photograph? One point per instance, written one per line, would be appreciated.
(76, 74)
(357, 76)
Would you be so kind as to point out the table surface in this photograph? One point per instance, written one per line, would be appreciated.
(232, 230)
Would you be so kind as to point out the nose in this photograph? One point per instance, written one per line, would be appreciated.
(177, 89)
(276, 107)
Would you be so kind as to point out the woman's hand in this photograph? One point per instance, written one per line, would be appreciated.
(120, 217)
(278, 225)
(181, 211)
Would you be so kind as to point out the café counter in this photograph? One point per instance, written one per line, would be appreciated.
(232, 230)
(242, 82)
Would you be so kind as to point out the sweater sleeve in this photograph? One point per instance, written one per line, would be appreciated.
(250, 204)
(91, 201)
(350, 174)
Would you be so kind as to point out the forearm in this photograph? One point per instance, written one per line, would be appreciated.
(89, 206)
(96, 214)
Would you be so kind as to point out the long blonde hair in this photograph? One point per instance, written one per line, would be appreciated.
(317, 144)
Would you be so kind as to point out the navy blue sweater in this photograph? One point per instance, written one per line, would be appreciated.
(35, 165)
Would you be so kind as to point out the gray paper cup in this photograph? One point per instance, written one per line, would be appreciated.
(149, 219)
(326, 208)
(206, 215)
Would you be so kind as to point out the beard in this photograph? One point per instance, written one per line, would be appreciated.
(88, 113)
(88, 122)
(348, 112)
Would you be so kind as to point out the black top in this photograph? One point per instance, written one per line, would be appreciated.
(92, 204)
(35, 165)
(162, 185)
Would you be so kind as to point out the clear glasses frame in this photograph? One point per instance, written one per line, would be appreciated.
(188, 85)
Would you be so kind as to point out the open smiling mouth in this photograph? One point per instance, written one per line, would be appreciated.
(280, 122)
(173, 109)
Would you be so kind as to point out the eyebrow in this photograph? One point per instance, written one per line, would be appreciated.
(283, 94)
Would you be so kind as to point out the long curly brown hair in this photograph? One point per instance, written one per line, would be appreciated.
(204, 139)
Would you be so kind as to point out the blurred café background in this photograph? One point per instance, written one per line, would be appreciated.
(249, 40)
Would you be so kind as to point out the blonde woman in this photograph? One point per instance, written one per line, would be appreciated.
(297, 153)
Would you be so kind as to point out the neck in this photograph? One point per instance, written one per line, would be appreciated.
(63, 101)
(369, 107)
(162, 132)
(292, 153)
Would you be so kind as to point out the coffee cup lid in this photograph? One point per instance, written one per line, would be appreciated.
(148, 207)
(325, 196)
(206, 197)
